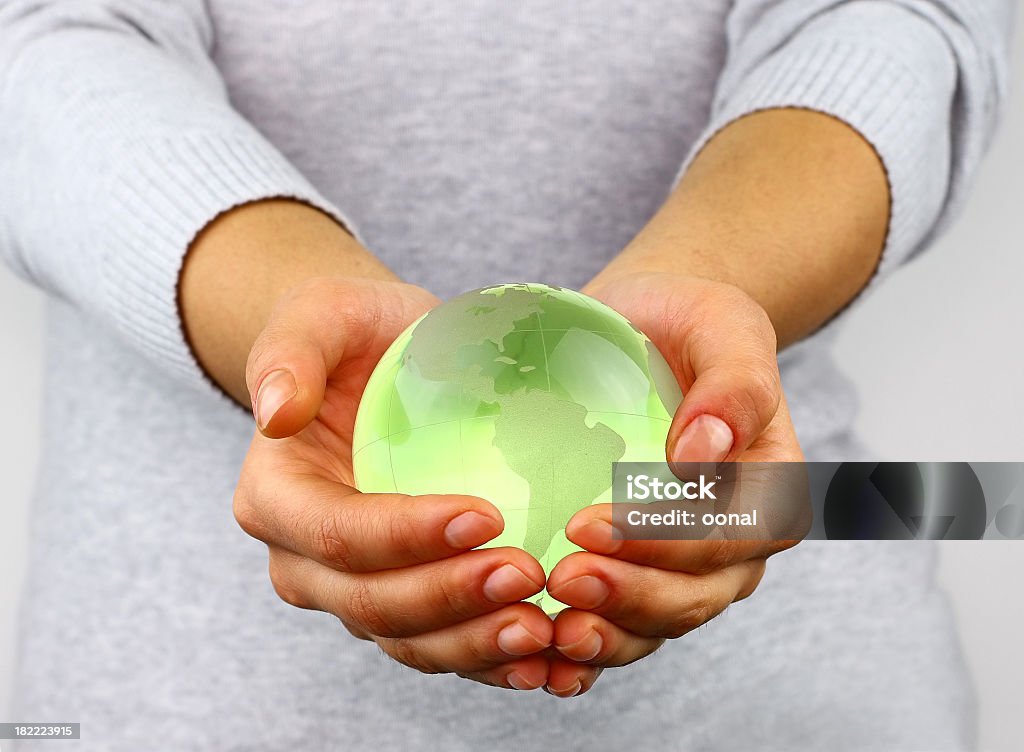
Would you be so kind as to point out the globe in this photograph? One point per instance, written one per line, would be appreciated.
(521, 394)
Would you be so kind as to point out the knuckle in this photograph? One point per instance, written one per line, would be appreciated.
(758, 321)
(285, 584)
(651, 647)
(701, 609)
(764, 383)
(247, 514)
(402, 533)
(778, 546)
(332, 544)
(761, 391)
(751, 394)
(366, 612)
(717, 554)
(453, 599)
(765, 329)
(679, 624)
(757, 572)
(407, 653)
(355, 631)
(475, 652)
(363, 312)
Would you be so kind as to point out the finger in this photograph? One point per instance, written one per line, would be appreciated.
(478, 645)
(567, 679)
(593, 529)
(413, 600)
(352, 532)
(730, 350)
(647, 601)
(525, 674)
(310, 331)
(585, 637)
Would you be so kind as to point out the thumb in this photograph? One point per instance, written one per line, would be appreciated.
(304, 340)
(289, 397)
(734, 396)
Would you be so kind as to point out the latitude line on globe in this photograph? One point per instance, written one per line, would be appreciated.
(482, 417)
(416, 428)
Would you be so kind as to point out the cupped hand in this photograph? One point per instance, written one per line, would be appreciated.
(394, 569)
(627, 597)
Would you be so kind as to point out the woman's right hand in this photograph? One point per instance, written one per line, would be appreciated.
(397, 570)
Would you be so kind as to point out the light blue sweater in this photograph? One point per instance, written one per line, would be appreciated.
(466, 143)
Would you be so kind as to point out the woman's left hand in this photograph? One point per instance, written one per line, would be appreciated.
(627, 597)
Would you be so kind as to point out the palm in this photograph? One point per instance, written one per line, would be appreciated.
(684, 317)
(324, 447)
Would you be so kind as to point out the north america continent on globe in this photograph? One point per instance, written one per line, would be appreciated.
(521, 394)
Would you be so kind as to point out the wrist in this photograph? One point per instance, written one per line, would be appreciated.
(790, 206)
(626, 287)
(243, 263)
(696, 269)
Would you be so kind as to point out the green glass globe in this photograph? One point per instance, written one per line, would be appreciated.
(521, 394)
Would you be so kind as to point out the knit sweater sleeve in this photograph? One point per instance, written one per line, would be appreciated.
(922, 81)
(118, 145)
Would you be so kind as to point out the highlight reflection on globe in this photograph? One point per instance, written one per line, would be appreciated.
(522, 394)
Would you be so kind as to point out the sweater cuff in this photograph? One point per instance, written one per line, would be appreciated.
(176, 187)
(883, 97)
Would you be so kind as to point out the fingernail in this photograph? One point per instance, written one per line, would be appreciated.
(597, 535)
(469, 530)
(583, 592)
(508, 583)
(584, 649)
(275, 390)
(706, 439)
(516, 681)
(565, 693)
(515, 639)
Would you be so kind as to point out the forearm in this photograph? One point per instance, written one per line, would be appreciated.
(242, 263)
(105, 190)
(791, 206)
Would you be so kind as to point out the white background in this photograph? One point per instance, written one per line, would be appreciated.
(936, 354)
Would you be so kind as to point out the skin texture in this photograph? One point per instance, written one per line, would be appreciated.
(776, 226)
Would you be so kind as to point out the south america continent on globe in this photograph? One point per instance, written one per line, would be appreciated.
(521, 394)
